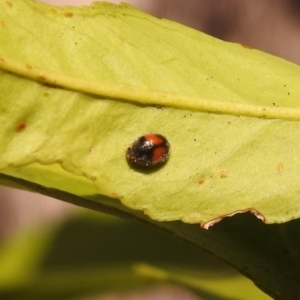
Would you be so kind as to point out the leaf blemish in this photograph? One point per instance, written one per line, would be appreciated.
(280, 167)
(217, 220)
(223, 173)
(68, 15)
(2, 23)
(201, 181)
(9, 3)
(50, 85)
(21, 127)
(43, 80)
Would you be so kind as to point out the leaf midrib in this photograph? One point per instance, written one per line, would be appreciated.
(144, 96)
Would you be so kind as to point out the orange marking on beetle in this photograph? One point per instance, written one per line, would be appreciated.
(21, 127)
(158, 153)
(9, 3)
(115, 195)
(148, 151)
(154, 138)
(68, 15)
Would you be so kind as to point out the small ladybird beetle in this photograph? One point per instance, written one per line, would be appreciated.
(150, 150)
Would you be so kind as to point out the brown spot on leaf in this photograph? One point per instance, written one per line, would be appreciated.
(2, 23)
(223, 173)
(280, 167)
(43, 80)
(2, 59)
(68, 15)
(21, 127)
(158, 106)
(50, 85)
(201, 181)
(29, 67)
(54, 11)
(115, 195)
(216, 220)
(9, 3)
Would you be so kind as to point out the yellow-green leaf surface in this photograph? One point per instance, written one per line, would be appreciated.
(78, 85)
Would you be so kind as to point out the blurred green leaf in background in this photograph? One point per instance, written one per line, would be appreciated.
(96, 254)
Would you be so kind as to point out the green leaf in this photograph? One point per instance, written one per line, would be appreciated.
(20, 256)
(265, 254)
(106, 256)
(229, 287)
(78, 85)
(220, 164)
